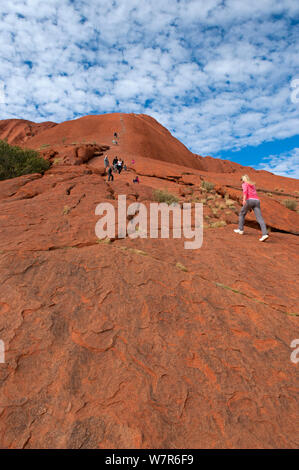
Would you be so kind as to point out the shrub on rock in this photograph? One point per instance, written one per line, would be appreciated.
(15, 161)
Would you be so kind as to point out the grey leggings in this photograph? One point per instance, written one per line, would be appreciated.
(256, 206)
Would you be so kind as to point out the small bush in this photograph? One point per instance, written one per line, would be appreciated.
(208, 186)
(15, 161)
(165, 196)
(220, 223)
(290, 204)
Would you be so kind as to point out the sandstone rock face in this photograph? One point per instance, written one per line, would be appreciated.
(140, 343)
(19, 131)
(73, 154)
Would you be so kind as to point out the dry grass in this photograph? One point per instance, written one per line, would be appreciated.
(215, 213)
(207, 185)
(290, 204)
(137, 252)
(181, 267)
(66, 210)
(104, 241)
(219, 223)
(165, 196)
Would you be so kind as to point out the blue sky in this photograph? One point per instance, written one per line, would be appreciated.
(218, 74)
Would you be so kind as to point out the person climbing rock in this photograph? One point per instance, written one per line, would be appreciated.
(110, 174)
(251, 202)
(136, 180)
(115, 135)
(119, 166)
(114, 163)
(106, 161)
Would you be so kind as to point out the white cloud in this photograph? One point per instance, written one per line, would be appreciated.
(286, 164)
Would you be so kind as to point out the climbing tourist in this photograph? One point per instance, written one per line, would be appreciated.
(119, 166)
(114, 163)
(110, 174)
(136, 180)
(251, 201)
(106, 161)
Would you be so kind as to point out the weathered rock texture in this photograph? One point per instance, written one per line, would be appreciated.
(141, 343)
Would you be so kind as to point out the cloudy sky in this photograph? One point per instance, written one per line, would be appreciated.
(217, 73)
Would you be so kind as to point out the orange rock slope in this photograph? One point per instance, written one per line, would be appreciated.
(140, 343)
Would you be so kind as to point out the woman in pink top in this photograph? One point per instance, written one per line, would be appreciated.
(251, 201)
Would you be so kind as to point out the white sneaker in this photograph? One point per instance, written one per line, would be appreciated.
(264, 237)
(240, 232)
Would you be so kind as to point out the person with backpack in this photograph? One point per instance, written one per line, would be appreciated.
(251, 201)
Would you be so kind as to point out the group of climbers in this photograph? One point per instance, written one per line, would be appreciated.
(251, 200)
(117, 166)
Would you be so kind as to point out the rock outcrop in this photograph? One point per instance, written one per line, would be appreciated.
(140, 343)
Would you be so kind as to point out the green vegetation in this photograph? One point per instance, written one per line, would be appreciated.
(15, 161)
(208, 186)
(165, 196)
(290, 204)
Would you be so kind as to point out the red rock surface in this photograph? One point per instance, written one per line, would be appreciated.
(141, 343)
(19, 131)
